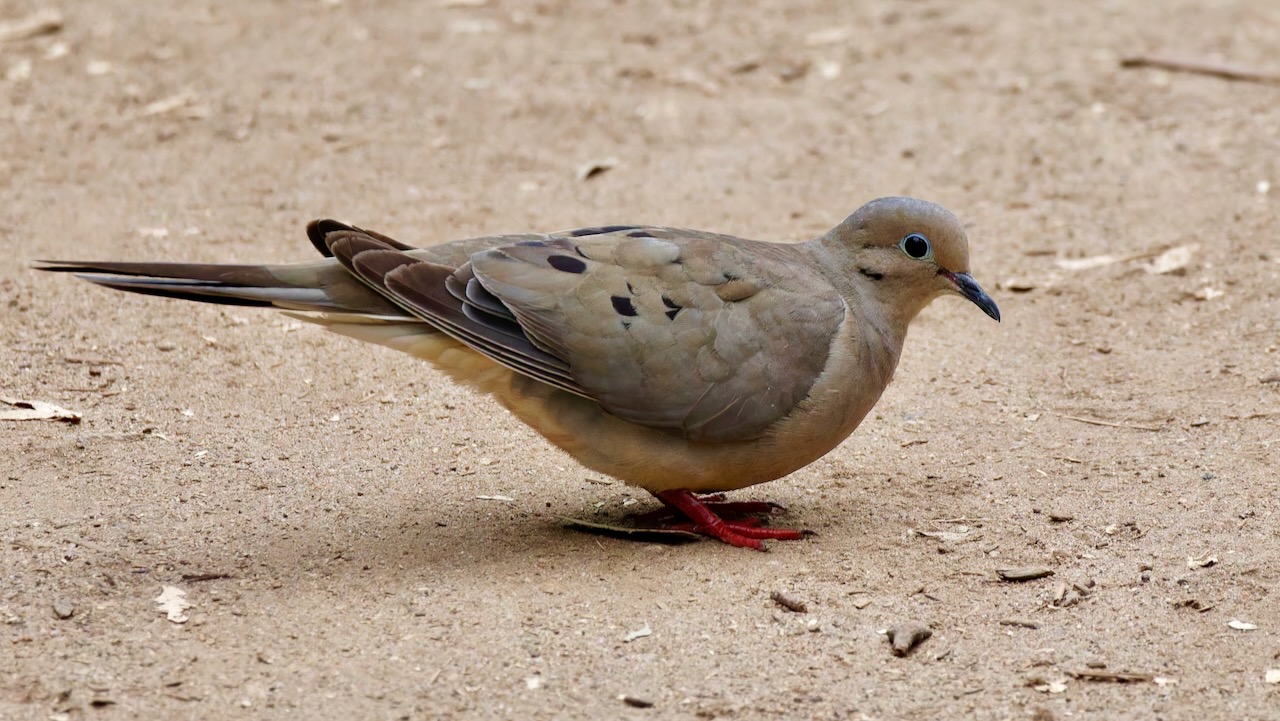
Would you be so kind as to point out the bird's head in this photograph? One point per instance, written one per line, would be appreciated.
(905, 252)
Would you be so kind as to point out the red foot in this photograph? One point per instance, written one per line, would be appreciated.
(744, 533)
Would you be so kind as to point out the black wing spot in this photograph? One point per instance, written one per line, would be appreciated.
(532, 244)
(566, 263)
(871, 274)
(674, 306)
(623, 305)
(640, 234)
(601, 230)
(730, 277)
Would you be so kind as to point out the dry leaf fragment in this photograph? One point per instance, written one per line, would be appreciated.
(960, 533)
(789, 602)
(587, 171)
(35, 411)
(1201, 562)
(169, 104)
(1101, 261)
(1173, 260)
(828, 36)
(1018, 284)
(1242, 625)
(1024, 573)
(638, 633)
(1019, 622)
(1056, 686)
(172, 602)
(1096, 261)
(1111, 676)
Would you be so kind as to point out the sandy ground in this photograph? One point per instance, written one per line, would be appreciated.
(318, 499)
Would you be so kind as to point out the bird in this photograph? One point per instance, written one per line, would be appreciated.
(682, 362)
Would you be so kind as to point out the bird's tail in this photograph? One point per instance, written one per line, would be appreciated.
(320, 286)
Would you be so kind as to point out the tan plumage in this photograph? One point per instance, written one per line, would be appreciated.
(675, 360)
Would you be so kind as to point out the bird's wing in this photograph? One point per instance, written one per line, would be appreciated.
(714, 337)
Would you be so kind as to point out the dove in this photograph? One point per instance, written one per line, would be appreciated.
(682, 362)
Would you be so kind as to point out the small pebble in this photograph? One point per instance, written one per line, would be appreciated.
(636, 702)
(64, 608)
(1019, 285)
(904, 637)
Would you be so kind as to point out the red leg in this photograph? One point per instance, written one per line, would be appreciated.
(744, 534)
(728, 511)
(743, 508)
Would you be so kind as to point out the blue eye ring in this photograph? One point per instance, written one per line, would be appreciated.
(916, 246)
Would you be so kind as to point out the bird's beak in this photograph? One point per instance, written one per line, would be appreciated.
(969, 288)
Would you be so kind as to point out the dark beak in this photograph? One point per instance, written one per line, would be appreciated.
(969, 288)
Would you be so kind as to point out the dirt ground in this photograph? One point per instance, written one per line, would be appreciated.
(320, 501)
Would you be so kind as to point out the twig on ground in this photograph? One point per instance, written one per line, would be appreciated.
(1108, 424)
(1201, 67)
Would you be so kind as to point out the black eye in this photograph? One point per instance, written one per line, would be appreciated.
(916, 245)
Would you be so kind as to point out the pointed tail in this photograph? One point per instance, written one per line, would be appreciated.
(321, 286)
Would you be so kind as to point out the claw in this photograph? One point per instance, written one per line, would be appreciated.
(701, 512)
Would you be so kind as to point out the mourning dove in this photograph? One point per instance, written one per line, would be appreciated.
(679, 361)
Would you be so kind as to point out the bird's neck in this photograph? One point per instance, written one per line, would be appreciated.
(876, 301)
(879, 327)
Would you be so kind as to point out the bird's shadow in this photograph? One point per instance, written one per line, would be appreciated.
(414, 541)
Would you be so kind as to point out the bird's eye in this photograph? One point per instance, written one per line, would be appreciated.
(916, 246)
